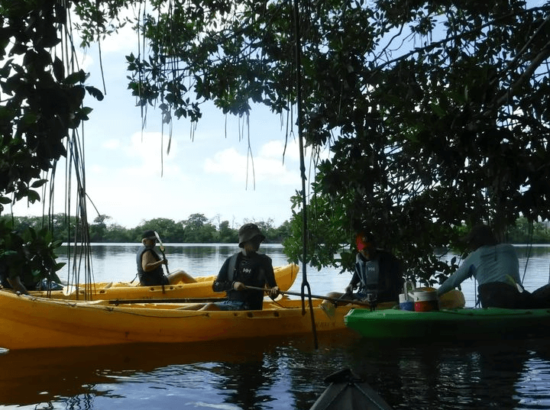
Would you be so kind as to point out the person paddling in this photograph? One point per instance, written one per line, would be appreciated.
(149, 265)
(245, 268)
(378, 273)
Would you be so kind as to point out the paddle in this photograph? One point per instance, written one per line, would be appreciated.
(336, 300)
(161, 249)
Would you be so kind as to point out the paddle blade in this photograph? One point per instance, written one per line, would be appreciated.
(161, 246)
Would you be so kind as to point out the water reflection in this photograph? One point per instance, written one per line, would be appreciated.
(278, 374)
(242, 373)
(456, 375)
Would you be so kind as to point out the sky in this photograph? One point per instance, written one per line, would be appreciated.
(208, 174)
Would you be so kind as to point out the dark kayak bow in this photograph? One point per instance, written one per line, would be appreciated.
(347, 391)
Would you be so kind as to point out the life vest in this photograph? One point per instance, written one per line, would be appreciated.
(233, 269)
(157, 272)
(369, 274)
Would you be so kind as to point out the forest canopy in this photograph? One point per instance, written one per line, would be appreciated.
(435, 112)
(196, 228)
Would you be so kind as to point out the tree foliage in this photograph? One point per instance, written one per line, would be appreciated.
(197, 228)
(41, 104)
(435, 112)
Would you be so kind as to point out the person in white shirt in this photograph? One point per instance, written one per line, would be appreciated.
(495, 266)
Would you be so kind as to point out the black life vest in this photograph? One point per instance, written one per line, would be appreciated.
(155, 275)
(231, 271)
(233, 268)
(369, 274)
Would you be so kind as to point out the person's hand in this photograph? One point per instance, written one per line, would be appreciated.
(239, 286)
(274, 292)
(17, 285)
(165, 262)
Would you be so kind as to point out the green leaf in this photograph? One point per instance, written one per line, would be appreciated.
(39, 183)
(58, 69)
(59, 266)
(94, 92)
(33, 196)
(75, 78)
(438, 110)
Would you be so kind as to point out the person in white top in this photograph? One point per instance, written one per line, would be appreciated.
(495, 266)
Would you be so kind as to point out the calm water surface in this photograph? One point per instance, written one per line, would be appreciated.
(281, 373)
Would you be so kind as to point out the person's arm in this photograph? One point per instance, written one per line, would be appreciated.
(393, 276)
(17, 285)
(270, 279)
(222, 284)
(466, 270)
(353, 283)
(150, 263)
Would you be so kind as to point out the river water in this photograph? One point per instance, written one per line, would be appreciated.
(280, 373)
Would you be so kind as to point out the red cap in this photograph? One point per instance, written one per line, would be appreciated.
(362, 241)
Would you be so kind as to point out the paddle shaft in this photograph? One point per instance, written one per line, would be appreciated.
(336, 300)
(161, 248)
(165, 300)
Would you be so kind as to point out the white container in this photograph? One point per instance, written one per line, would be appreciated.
(426, 301)
(424, 296)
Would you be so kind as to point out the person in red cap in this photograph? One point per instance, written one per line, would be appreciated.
(378, 273)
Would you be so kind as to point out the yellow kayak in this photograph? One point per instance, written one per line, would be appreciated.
(29, 322)
(284, 275)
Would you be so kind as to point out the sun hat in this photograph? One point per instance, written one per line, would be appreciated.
(149, 235)
(247, 232)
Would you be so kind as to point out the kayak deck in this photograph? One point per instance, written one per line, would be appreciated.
(32, 323)
(202, 288)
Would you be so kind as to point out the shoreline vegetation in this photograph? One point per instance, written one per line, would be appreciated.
(198, 228)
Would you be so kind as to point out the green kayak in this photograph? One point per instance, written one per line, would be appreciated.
(449, 324)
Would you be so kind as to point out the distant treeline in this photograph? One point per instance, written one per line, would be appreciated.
(200, 229)
(195, 229)
(525, 232)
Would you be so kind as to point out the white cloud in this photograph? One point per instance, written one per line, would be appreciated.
(85, 60)
(263, 168)
(124, 42)
(150, 146)
(111, 144)
(276, 150)
(97, 169)
(149, 157)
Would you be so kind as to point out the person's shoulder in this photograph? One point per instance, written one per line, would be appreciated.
(234, 256)
(263, 257)
(386, 254)
(504, 246)
(507, 247)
